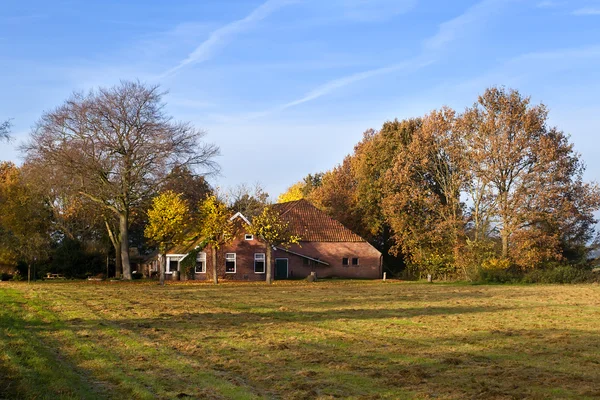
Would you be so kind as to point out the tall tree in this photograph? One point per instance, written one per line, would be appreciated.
(119, 145)
(193, 188)
(167, 224)
(337, 196)
(422, 192)
(216, 227)
(529, 170)
(25, 219)
(274, 232)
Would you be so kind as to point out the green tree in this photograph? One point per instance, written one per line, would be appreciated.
(215, 227)
(269, 226)
(167, 224)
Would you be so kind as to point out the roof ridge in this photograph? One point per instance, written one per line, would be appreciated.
(291, 206)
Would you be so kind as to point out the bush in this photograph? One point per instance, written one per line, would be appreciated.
(5, 276)
(560, 274)
(498, 275)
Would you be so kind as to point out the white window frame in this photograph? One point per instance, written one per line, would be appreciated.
(249, 236)
(200, 257)
(173, 257)
(234, 259)
(257, 257)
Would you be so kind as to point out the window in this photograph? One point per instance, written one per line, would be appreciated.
(345, 261)
(248, 236)
(173, 263)
(355, 261)
(230, 263)
(201, 263)
(259, 263)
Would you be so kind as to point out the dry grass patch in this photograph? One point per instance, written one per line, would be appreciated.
(295, 340)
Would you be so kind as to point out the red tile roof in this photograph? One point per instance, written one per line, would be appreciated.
(312, 224)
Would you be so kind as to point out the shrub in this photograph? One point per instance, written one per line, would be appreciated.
(490, 275)
(560, 274)
(5, 276)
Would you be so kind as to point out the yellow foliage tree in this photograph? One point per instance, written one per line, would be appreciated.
(274, 232)
(167, 224)
(294, 192)
(215, 227)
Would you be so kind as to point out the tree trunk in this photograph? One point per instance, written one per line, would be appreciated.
(162, 261)
(28, 272)
(117, 246)
(214, 265)
(504, 236)
(124, 233)
(118, 261)
(269, 277)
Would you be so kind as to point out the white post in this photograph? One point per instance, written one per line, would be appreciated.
(384, 276)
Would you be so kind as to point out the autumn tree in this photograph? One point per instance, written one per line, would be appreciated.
(530, 172)
(302, 189)
(167, 224)
(25, 219)
(274, 231)
(421, 199)
(119, 145)
(337, 196)
(193, 188)
(215, 227)
(292, 193)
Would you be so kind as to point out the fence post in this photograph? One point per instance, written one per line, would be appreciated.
(384, 276)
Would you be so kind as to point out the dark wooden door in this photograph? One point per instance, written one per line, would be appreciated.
(281, 268)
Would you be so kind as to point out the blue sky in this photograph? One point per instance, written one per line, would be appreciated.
(286, 87)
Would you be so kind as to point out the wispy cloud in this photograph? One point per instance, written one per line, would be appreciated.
(224, 34)
(410, 65)
(534, 65)
(549, 4)
(448, 32)
(586, 11)
(451, 30)
(373, 10)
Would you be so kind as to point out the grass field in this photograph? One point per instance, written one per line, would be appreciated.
(364, 340)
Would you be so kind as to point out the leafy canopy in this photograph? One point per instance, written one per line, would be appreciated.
(167, 219)
(269, 226)
(215, 223)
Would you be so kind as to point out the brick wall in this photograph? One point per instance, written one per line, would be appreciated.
(368, 267)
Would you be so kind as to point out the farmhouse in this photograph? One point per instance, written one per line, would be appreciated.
(326, 248)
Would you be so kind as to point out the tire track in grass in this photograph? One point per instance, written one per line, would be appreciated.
(32, 367)
(148, 355)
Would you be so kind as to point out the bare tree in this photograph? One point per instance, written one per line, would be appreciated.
(119, 145)
(248, 200)
(5, 131)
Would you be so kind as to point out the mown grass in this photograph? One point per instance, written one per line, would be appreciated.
(295, 340)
